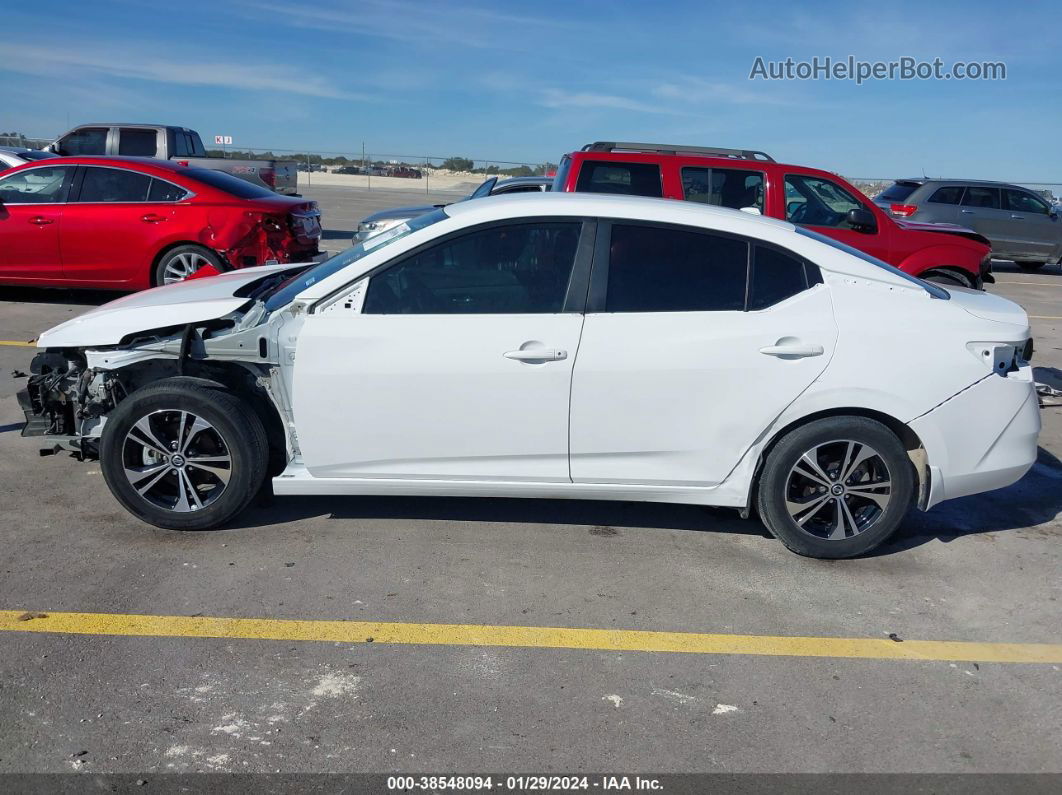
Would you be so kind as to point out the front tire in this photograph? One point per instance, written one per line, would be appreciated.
(950, 278)
(836, 487)
(184, 456)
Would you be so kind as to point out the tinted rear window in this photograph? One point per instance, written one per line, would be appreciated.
(228, 183)
(137, 143)
(654, 269)
(114, 185)
(631, 179)
(949, 195)
(898, 191)
(775, 277)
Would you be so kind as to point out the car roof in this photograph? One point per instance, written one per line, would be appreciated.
(133, 124)
(146, 163)
(988, 183)
(603, 205)
(533, 180)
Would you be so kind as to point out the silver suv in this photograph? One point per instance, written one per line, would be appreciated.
(1020, 224)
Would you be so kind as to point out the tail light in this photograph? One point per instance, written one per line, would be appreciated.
(269, 177)
(903, 210)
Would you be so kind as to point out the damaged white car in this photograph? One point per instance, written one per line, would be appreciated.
(557, 346)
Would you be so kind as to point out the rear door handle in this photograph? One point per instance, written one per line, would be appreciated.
(967, 212)
(151, 218)
(537, 355)
(40, 220)
(1018, 217)
(795, 351)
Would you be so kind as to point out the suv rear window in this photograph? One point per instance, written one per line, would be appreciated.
(632, 179)
(949, 195)
(723, 187)
(898, 191)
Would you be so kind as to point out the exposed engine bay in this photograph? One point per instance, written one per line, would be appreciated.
(70, 392)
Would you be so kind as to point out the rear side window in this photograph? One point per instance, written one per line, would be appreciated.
(723, 187)
(981, 197)
(137, 143)
(660, 269)
(162, 191)
(632, 179)
(86, 141)
(180, 144)
(1019, 201)
(513, 269)
(898, 192)
(775, 277)
(949, 195)
(114, 185)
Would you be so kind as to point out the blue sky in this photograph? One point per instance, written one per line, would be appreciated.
(529, 81)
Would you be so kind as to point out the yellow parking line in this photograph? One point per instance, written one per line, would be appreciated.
(19, 343)
(523, 637)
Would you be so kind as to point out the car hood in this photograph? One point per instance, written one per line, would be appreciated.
(193, 301)
(990, 307)
(942, 229)
(402, 212)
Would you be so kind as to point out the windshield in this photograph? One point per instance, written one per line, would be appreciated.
(285, 292)
(934, 290)
(36, 154)
(241, 189)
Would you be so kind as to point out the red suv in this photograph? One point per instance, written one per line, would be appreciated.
(752, 181)
(130, 223)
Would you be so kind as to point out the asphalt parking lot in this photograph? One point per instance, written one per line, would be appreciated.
(719, 650)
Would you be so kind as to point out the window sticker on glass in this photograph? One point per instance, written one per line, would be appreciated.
(383, 237)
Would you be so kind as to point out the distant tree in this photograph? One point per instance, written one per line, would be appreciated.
(458, 164)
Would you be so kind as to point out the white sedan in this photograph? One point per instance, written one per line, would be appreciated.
(558, 346)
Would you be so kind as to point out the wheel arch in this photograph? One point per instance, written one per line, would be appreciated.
(232, 376)
(910, 440)
(166, 249)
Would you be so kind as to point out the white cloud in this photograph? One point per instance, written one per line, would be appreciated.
(558, 98)
(103, 58)
(428, 24)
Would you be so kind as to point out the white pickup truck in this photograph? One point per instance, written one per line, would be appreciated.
(165, 142)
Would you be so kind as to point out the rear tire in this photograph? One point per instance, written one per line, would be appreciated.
(180, 262)
(183, 455)
(1030, 266)
(950, 278)
(836, 487)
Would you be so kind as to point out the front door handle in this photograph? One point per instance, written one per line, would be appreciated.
(792, 350)
(151, 218)
(40, 220)
(967, 212)
(537, 355)
(1018, 217)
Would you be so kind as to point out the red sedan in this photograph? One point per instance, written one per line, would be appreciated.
(130, 223)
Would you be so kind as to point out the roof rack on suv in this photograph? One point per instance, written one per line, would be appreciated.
(671, 149)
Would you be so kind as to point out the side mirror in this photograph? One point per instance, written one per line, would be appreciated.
(861, 220)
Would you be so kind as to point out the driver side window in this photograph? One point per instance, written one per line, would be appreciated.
(511, 269)
(817, 202)
(36, 186)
